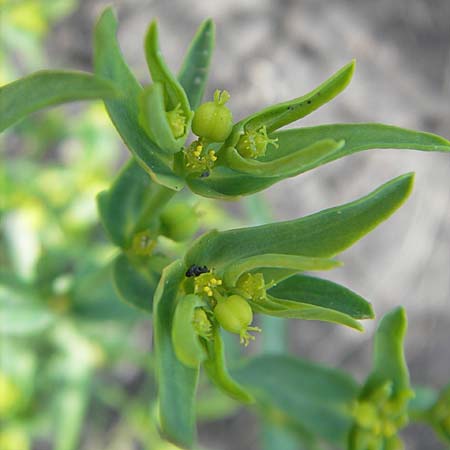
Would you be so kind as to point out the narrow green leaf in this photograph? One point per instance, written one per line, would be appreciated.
(324, 293)
(357, 137)
(314, 398)
(109, 63)
(289, 309)
(136, 280)
(389, 364)
(193, 74)
(49, 88)
(218, 373)
(277, 116)
(298, 262)
(323, 234)
(177, 382)
(286, 166)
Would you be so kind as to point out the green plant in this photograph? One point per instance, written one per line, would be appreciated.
(217, 282)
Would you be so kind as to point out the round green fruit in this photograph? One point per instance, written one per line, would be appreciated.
(213, 121)
(234, 314)
(179, 222)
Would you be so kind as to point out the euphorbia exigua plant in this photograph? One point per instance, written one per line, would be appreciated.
(224, 279)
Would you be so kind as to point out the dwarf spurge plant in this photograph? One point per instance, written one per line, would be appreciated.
(222, 281)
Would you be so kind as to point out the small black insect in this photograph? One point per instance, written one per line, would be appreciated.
(204, 174)
(195, 271)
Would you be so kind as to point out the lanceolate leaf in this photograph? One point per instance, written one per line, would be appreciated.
(288, 309)
(177, 383)
(324, 293)
(109, 63)
(194, 70)
(323, 234)
(277, 116)
(313, 398)
(136, 281)
(357, 137)
(49, 88)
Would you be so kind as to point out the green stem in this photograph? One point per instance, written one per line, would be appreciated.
(157, 201)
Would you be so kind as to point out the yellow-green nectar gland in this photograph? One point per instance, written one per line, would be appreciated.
(198, 159)
(177, 121)
(253, 286)
(235, 315)
(207, 284)
(143, 244)
(382, 418)
(201, 323)
(253, 143)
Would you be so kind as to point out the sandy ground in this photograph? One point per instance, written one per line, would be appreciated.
(269, 51)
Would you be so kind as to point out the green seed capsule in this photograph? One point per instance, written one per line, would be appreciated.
(235, 315)
(179, 222)
(213, 120)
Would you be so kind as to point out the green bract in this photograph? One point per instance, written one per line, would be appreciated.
(188, 324)
(164, 107)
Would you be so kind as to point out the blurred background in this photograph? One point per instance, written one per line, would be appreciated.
(72, 345)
